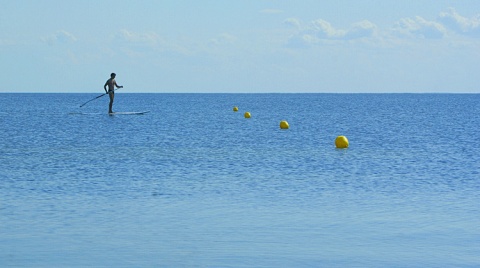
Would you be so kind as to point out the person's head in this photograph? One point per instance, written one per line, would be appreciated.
(112, 75)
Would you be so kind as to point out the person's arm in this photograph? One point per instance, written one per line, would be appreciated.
(105, 87)
(118, 85)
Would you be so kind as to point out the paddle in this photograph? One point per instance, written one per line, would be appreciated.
(97, 98)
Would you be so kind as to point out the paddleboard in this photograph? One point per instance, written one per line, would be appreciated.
(128, 113)
(73, 113)
(114, 113)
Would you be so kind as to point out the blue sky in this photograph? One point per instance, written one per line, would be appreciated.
(240, 46)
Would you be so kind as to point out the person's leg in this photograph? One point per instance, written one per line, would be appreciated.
(110, 105)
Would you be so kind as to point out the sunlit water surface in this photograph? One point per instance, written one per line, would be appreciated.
(194, 184)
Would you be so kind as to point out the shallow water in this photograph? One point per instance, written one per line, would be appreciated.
(193, 183)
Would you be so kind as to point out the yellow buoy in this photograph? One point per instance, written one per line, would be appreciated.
(235, 109)
(341, 142)
(284, 125)
(247, 115)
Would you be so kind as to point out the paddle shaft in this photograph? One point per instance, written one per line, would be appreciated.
(96, 98)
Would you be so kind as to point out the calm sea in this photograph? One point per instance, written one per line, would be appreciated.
(194, 184)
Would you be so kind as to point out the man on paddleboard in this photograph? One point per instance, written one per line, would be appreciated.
(111, 83)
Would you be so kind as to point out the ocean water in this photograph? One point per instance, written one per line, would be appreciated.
(194, 184)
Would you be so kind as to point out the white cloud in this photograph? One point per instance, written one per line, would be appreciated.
(149, 38)
(62, 37)
(149, 44)
(420, 27)
(321, 30)
(293, 22)
(324, 30)
(223, 39)
(361, 29)
(447, 22)
(460, 24)
(302, 41)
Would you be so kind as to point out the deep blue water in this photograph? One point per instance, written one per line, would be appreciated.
(194, 184)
